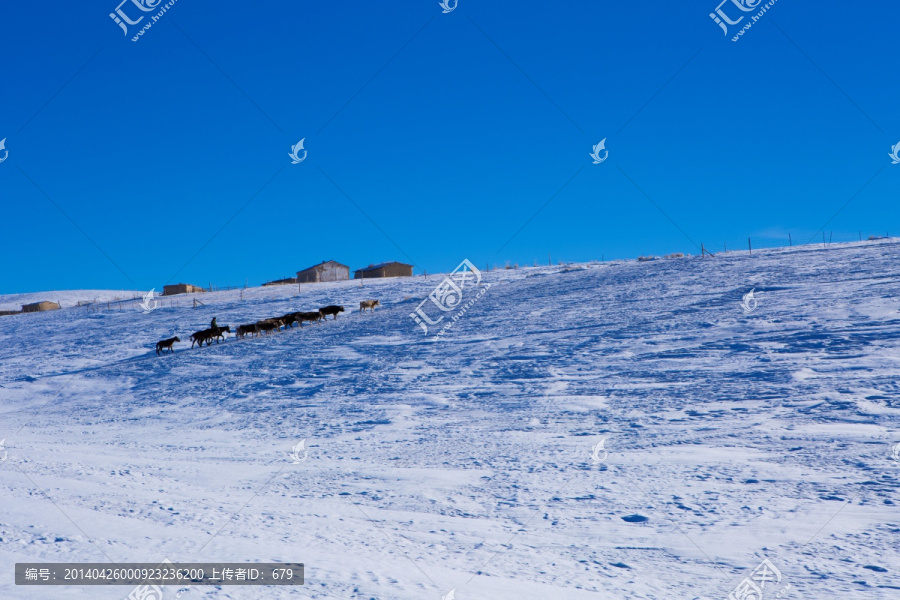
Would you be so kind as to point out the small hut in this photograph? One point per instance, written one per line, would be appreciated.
(329, 270)
(388, 269)
(39, 306)
(285, 281)
(180, 288)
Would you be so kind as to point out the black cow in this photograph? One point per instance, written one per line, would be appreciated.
(289, 319)
(243, 330)
(309, 316)
(331, 310)
(268, 325)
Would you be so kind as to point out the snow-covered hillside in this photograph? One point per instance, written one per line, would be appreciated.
(67, 298)
(471, 462)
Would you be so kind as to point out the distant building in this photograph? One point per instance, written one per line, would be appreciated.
(330, 270)
(285, 281)
(39, 306)
(388, 269)
(180, 288)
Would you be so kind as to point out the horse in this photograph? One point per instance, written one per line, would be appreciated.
(166, 345)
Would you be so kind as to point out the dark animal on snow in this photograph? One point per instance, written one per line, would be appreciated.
(198, 337)
(331, 310)
(207, 335)
(166, 345)
(368, 304)
(289, 319)
(243, 330)
(309, 316)
(219, 332)
(268, 325)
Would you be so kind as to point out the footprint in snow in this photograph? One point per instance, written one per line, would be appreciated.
(635, 519)
(875, 568)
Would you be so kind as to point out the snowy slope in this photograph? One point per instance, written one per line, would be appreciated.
(66, 298)
(465, 463)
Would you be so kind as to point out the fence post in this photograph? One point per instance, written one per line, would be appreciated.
(823, 239)
(749, 246)
(790, 241)
(702, 251)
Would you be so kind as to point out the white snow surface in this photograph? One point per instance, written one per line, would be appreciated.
(465, 463)
(68, 298)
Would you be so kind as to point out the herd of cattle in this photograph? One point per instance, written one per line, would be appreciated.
(265, 326)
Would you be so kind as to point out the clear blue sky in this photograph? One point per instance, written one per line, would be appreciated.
(431, 137)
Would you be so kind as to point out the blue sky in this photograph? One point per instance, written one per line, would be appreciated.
(432, 137)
